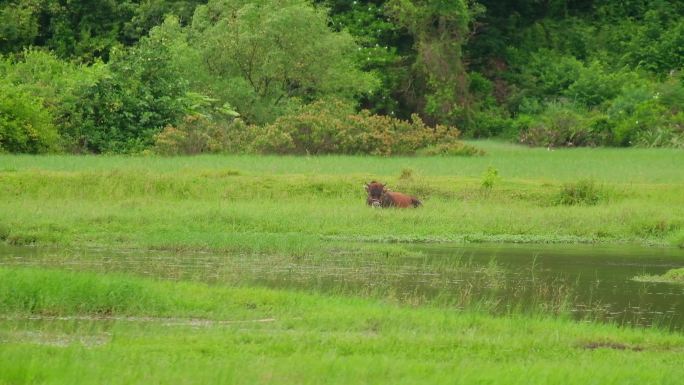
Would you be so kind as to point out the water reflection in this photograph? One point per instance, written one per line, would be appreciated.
(587, 282)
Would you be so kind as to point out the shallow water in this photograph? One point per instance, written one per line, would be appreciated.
(590, 283)
(598, 278)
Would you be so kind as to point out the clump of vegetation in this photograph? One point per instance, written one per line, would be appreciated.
(678, 240)
(675, 275)
(55, 293)
(323, 127)
(583, 192)
(198, 134)
(406, 173)
(656, 227)
(4, 232)
(144, 92)
(24, 125)
(332, 126)
(489, 179)
(671, 276)
(561, 126)
(452, 149)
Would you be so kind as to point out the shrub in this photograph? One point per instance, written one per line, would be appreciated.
(488, 122)
(548, 73)
(385, 135)
(331, 126)
(583, 192)
(58, 84)
(489, 178)
(595, 85)
(650, 115)
(268, 140)
(25, 126)
(451, 149)
(144, 93)
(562, 124)
(117, 107)
(195, 134)
(315, 129)
(558, 125)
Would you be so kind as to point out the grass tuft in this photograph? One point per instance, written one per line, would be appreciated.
(583, 192)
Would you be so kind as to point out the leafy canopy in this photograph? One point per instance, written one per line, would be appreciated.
(267, 57)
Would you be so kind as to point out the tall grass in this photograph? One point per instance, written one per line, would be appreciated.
(296, 213)
(27, 291)
(267, 336)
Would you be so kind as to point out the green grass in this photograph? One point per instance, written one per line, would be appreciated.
(60, 327)
(251, 336)
(617, 165)
(671, 276)
(297, 205)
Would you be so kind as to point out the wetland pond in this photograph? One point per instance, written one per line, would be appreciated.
(587, 283)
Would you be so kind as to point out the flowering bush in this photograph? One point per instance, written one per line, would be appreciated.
(198, 134)
(332, 126)
(324, 127)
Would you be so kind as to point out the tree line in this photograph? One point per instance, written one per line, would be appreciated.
(105, 76)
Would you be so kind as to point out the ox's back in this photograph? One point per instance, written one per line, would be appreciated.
(398, 199)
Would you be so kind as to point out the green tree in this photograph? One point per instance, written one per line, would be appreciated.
(144, 92)
(82, 29)
(25, 126)
(85, 30)
(266, 57)
(439, 29)
(18, 25)
(59, 84)
(386, 49)
(151, 13)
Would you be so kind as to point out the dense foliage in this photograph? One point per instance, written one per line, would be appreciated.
(110, 76)
(322, 127)
(24, 125)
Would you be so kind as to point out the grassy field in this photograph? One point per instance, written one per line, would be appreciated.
(66, 327)
(296, 205)
(79, 328)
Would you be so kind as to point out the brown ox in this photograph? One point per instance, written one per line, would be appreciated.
(379, 196)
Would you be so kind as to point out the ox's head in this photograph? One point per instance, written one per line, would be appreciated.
(375, 192)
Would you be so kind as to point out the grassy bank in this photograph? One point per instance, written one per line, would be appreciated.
(65, 327)
(298, 205)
